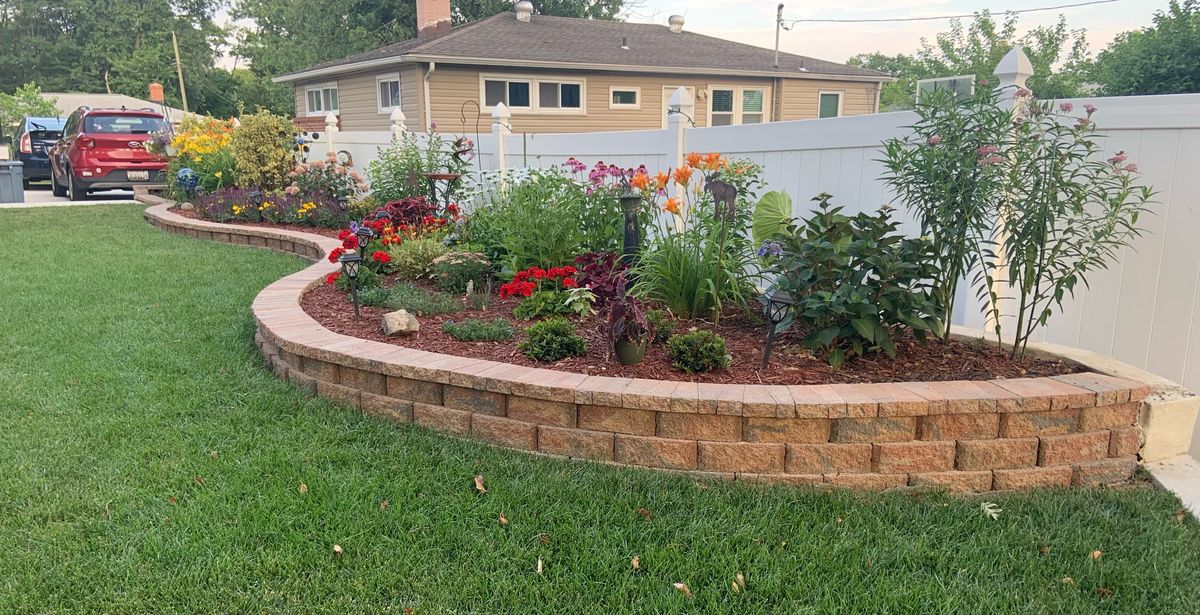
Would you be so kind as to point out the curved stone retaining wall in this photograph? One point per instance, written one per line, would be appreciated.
(1018, 433)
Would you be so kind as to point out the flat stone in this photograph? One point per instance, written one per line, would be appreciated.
(400, 322)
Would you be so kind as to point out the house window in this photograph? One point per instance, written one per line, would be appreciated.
(624, 98)
(321, 99)
(388, 87)
(514, 94)
(729, 106)
(830, 104)
(532, 95)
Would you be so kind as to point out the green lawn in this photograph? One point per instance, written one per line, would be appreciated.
(150, 464)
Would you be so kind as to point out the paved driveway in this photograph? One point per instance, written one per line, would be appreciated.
(40, 195)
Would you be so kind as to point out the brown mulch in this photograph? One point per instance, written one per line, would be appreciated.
(326, 232)
(745, 338)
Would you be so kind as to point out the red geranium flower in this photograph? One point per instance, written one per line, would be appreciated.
(381, 257)
(350, 243)
(570, 283)
(344, 235)
(336, 254)
(333, 277)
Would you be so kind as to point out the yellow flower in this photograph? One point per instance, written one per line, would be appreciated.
(217, 174)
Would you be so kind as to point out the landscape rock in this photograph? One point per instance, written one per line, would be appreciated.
(187, 206)
(400, 322)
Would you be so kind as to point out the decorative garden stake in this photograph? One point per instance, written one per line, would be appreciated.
(256, 199)
(350, 262)
(343, 202)
(778, 304)
(630, 204)
(365, 235)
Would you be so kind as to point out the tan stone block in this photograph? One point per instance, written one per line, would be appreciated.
(905, 457)
(958, 482)
(541, 411)
(867, 482)
(828, 458)
(1104, 472)
(712, 427)
(1073, 448)
(414, 390)
(799, 431)
(996, 454)
(1049, 423)
(618, 420)
(387, 407)
(881, 429)
(1124, 442)
(1113, 416)
(741, 457)
(473, 400)
(1032, 478)
(443, 419)
(958, 426)
(656, 452)
(576, 443)
(504, 431)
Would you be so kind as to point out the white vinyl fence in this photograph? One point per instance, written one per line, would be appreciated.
(1145, 310)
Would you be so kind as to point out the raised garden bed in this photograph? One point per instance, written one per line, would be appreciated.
(967, 435)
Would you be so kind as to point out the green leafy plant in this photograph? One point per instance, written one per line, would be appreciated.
(397, 172)
(366, 279)
(855, 281)
(454, 271)
(772, 214)
(552, 339)
(478, 330)
(263, 145)
(413, 259)
(417, 300)
(541, 304)
(943, 173)
(662, 324)
(580, 300)
(697, 351)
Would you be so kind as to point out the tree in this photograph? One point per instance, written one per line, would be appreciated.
(1158, 60)
(1059, 58)
(26, 100)
(472, 10)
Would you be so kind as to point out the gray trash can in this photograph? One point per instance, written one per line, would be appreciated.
(10, 182)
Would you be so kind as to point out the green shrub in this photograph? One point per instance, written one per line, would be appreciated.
(478, 330)
(413, 259)
(662, 324)
(855, 281)
(697, 351)
(417, 300)
(551, 340)
(263, 146)
(367, 279)
(396, 172)
(541, 304)
(452, 271)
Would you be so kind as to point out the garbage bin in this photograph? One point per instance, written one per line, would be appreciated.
(10, 182)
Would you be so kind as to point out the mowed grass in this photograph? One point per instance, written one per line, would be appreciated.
(150, 464)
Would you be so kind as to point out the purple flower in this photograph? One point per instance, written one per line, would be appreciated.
(1022, 93)
(987, 161)
(1066, 107)
(1090, 108)
(1118, 158)
(934, 140)
(986, 150)
(771, 248)
(1131, 168)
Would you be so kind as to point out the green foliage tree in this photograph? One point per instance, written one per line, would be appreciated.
(1158, 60)
(1059, 56)
(26, 100)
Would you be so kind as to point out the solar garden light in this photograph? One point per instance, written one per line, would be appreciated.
(256, 199)
(365, 235)
(343, 202)
(350, 262)
(630, 204)
(779, 303)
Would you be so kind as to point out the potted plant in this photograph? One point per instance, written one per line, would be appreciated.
(626, 327)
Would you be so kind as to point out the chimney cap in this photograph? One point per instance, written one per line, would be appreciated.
(524, 9)
(676, 23)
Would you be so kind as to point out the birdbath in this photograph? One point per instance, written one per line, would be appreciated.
(448, 180)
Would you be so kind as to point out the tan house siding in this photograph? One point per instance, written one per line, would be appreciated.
(451, 86)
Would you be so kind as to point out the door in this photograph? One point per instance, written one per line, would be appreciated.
(667, 91)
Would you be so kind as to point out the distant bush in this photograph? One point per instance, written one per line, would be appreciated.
(412, 259)
(551, 340)
(661, 324)
(478, 330)
(263, 146)
(697, 351)
(452, 271)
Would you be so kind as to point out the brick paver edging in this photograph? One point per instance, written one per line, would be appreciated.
(1019, 433)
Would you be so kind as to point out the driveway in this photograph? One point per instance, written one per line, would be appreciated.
(40, 194)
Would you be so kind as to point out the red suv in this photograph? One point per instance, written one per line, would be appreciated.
(103, 149)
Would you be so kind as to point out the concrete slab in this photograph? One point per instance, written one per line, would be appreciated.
(36, 197)
(1180, 475)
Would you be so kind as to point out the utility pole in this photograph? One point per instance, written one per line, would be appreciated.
(778, 26)
(179, 71)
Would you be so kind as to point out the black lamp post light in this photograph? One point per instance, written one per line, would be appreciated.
(256, 199)
(779, 303)
(631, 204)
(365, 235)
(350, 262)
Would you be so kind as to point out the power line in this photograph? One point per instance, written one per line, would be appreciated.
(792, 22)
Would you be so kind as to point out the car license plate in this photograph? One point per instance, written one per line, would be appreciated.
(139, 176)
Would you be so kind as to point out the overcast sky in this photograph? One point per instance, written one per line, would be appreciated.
(753, 21)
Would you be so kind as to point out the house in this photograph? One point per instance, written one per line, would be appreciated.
(559, 74)
(68, 102)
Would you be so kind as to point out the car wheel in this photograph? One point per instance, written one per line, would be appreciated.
(25, 185)
(73, 191)
(56, 188)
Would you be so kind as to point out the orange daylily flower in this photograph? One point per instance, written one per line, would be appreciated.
(693, 159)
(683, 175)
(661, 179)
(671, 206)
(712, 162)
(640, 181)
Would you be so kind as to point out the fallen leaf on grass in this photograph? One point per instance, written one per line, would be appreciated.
(199, 480)
(734, 587)
(172, 501)
(303, 488)
(645, 514)
(636, 562)
(539, 566)
(839, 520)
(1068, 581)
(503, 519)
(1096, 554)
(1045, 550)
(479, 484)
(384, 505)
(1104, 592)
(544, 539)
(683, 589)
(991, 509)
(1179, 515)
(337, 550)
(740, 579)
(212, 454)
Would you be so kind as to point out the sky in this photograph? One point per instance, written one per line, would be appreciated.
(753, 21)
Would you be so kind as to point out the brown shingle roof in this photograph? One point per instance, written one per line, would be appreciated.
(594, 42)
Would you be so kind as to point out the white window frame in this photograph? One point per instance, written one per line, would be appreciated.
(321, 87)
(385, 78)
(765, 111)
(535, 93)
(841, 94)
(737, 102)
(613, 89)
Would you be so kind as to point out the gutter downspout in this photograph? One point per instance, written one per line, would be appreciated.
(428, 107)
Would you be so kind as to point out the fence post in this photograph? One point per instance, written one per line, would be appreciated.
(330, 130)
(397, 118)
(500, 130)
(1012, 72)
(680, 109)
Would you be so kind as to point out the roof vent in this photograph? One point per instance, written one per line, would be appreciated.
(676, 23)
(524, 10)
(624, 42)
